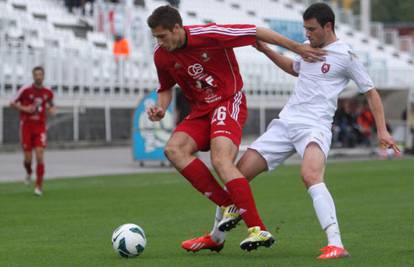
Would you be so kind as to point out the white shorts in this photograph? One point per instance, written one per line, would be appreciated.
(282, 139)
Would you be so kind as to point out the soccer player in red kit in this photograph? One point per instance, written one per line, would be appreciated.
(34, 102)
(201, 60)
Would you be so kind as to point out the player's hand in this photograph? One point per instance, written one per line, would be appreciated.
(51, 110)
(310, 54)
(386, 141)
(261, 46)
(155, 113)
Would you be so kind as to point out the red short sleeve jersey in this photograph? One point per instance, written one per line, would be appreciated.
(41, 98)
(206, 68)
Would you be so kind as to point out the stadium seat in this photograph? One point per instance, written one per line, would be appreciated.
(45, 26)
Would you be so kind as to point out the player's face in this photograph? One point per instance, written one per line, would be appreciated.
(38, 77)
(315, 33)
(167, 39)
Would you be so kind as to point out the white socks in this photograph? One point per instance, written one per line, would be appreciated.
(326, 213)
(217, 235)
(324, 208)
(334, 236)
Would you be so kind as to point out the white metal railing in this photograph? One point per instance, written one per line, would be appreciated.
(90, 73)
(77, 75)
(95, 74)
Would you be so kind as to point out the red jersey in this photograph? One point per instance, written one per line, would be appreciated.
(206, 68)
(41, 98)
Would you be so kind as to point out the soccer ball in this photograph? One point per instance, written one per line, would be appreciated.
(128, 240)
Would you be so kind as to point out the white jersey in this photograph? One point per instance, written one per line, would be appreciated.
(315, 97)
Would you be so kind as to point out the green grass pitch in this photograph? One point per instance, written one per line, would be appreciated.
(71, 225)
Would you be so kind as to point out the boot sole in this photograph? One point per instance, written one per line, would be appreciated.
(216, 249)
(227, 226)
(249, 246)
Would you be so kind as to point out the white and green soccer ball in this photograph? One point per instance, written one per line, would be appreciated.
(128, 240)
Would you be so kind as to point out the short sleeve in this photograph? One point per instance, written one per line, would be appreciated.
(359, 74)
(165, 80)
(18, 96)
(296, 64)
(226, 36)
(297, 60)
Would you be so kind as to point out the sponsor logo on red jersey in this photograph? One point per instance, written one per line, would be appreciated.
(195, 70)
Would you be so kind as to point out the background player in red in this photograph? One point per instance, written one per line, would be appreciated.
(34, 103)
(201, 60)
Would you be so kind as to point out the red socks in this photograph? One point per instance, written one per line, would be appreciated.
(242, 196)
(239, 191)
(28, 167)
(201, 178)
(40, 171)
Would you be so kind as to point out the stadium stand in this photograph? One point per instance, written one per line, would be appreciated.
(76, 51)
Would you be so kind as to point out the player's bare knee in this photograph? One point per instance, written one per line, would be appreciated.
(40, 160)
(310, 177)
(220, 163)
(172, 152)
(217, 164)
(27, 156)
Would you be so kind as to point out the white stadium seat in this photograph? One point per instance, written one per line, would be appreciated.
(44, 31)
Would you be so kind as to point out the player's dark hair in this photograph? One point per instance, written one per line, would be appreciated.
(166, 17)
(38, 68)
(321, 12)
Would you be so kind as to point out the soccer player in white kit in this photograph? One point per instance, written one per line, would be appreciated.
(304, 124)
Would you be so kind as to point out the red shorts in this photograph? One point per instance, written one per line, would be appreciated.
(32, 135)
(227, 119)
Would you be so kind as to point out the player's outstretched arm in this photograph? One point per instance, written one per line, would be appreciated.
(377, 109)
(157, 112)
(282, 62)
(304, 50)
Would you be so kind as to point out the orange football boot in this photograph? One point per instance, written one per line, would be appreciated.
(333, 252)
(203, 242)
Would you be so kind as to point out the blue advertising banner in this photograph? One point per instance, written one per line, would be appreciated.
(289, 28)
(149, 138)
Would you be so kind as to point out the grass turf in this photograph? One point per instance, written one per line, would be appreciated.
(71, 225)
